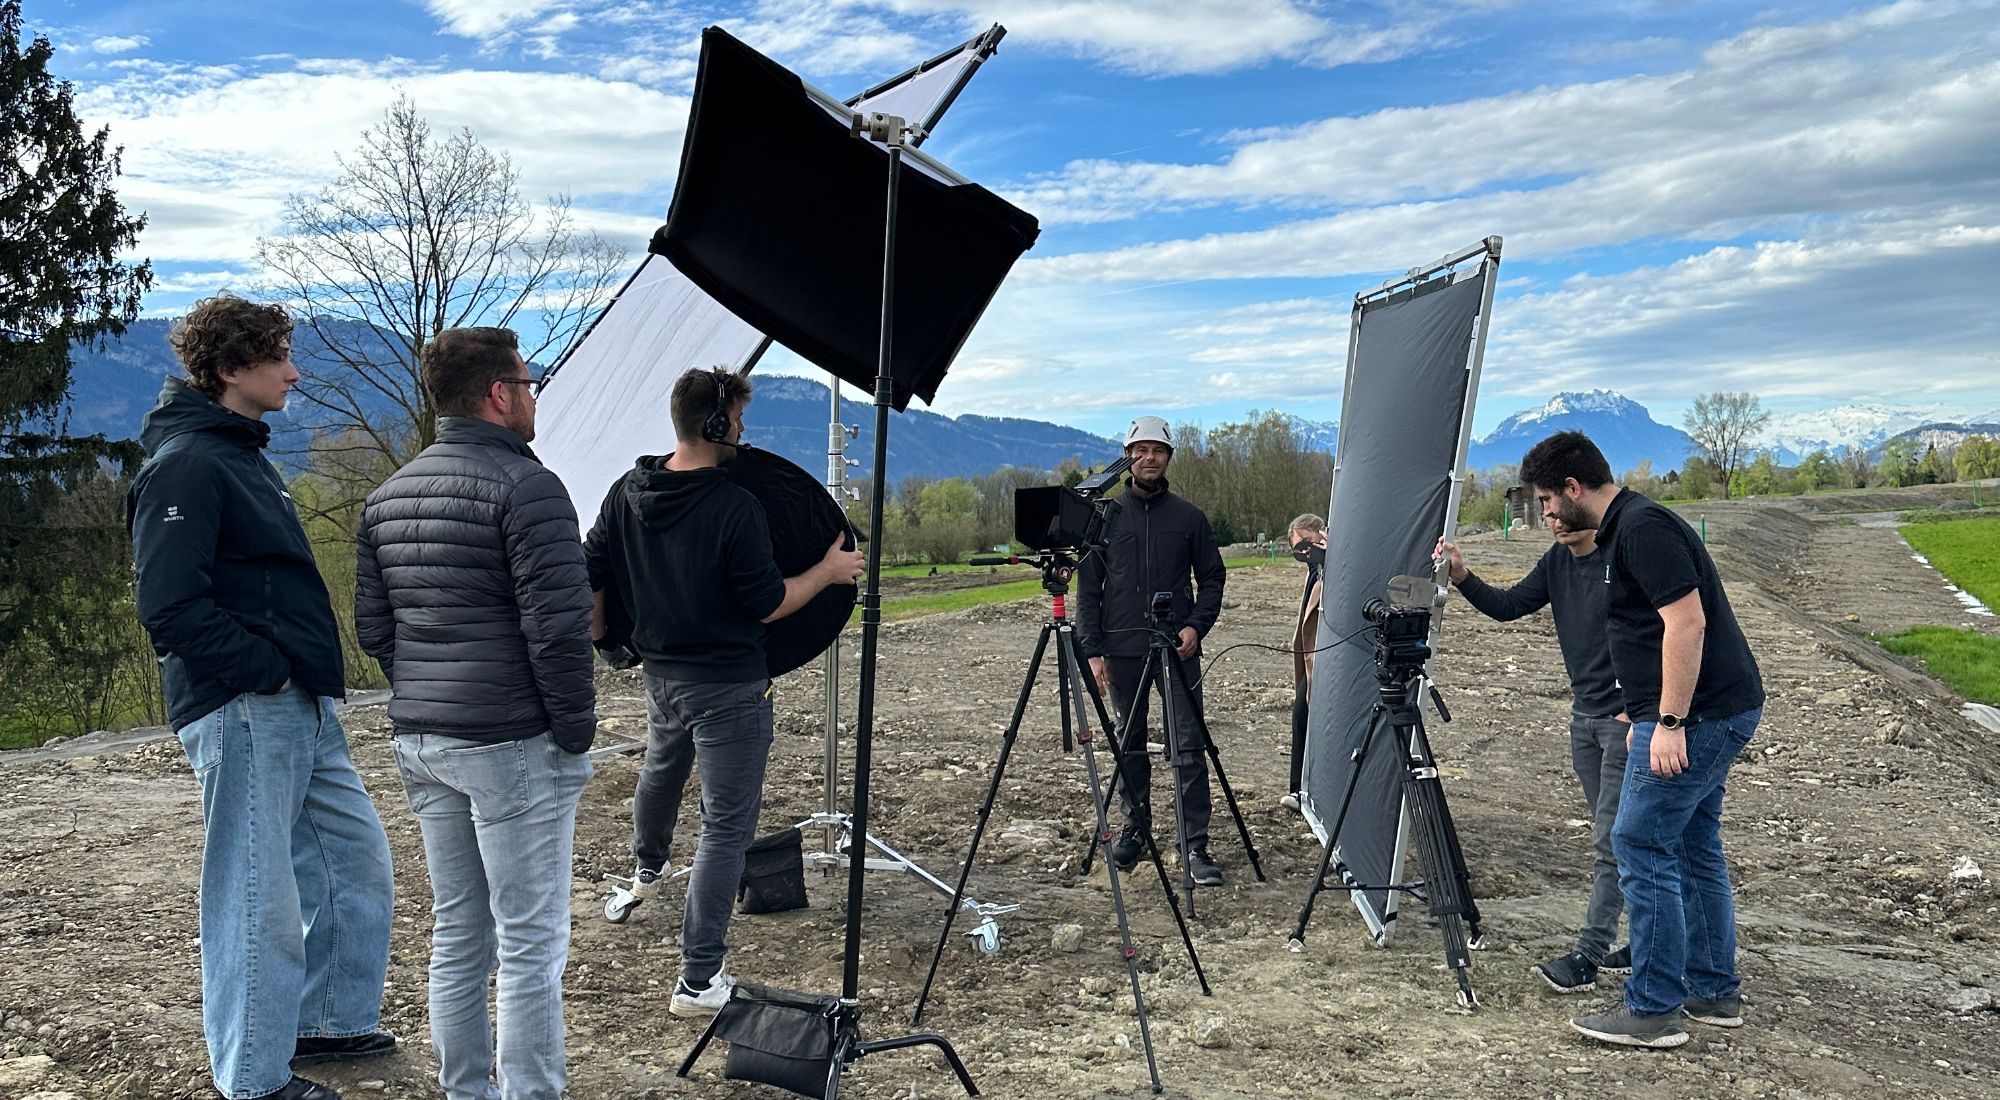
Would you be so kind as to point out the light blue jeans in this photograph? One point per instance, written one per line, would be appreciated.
(296, 890)
(1668, 840)
(499, 822)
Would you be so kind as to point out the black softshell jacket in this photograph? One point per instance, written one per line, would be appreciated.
(228, 589)
(1161, 544)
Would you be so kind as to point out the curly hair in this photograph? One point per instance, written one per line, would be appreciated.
(227, 334)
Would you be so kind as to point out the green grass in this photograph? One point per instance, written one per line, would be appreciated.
(1943, 515)
(1967, 661)
(1966, 551)
(1003, 592)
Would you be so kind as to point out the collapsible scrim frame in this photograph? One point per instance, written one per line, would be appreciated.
(1414, 353)
(606, 402)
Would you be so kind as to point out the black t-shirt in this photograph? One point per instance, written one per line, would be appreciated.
(1651, 559)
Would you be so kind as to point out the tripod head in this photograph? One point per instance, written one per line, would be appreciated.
(1057, 567)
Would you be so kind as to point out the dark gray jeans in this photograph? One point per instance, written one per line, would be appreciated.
(729, 726)
(1597, 751)
(1135, 788)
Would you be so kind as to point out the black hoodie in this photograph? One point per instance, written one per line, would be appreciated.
(684, 557)
(228, 589)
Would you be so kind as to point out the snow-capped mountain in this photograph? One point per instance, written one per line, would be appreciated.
(1620, 426)
(1946, 435)
(1316, 435)
(1867, 426)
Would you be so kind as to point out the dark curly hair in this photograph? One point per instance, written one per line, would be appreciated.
(227, 333)
(1562, 456)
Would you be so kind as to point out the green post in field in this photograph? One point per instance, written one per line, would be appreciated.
(1704, 527)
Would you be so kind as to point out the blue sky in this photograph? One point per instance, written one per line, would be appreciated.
(1797, 199)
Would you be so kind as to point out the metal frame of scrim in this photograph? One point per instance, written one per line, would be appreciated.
(1375, 836)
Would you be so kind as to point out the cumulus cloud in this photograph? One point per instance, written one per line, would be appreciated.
(118, 43)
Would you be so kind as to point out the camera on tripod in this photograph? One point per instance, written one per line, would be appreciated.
(1402, 637)
(1068, 517)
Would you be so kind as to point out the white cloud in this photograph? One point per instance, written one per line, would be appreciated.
(488, 18)
(118, 43)
(211, 153)
(1866, 91)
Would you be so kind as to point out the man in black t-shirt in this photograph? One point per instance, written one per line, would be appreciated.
(682, 556)
(1694, 695)
(1569, 581)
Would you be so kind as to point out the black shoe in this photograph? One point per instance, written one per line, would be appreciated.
(1130, 845)
(1202, 868)
(1618, 962)
(1570, 974)
(314, 1049)
(298, 1088)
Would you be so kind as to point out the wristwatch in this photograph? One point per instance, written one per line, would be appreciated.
(1672, 721)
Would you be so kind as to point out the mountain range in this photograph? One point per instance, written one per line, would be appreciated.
(115, 385)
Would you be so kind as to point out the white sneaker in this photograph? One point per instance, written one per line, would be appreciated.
(1290, 801)
(628, 893)
(708, 1002)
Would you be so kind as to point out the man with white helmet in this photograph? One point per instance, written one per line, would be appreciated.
(1157, 542)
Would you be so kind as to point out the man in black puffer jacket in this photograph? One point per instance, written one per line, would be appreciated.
(471, 592)
(296, 890)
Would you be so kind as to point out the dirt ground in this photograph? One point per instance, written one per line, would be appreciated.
(1861, 827)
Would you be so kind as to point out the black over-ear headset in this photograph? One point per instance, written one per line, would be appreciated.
(715, 429)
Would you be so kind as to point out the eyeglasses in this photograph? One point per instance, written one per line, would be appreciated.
(534, 384)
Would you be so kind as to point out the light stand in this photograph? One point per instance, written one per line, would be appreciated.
(837, 829)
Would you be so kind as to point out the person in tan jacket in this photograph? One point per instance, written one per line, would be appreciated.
(1307, 537)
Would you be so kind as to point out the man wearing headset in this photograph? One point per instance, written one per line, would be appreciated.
(1157, 542)
(682, 556)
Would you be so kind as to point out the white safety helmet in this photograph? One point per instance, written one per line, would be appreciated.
(1149, 428)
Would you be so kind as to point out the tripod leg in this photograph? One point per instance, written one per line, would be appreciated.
(1121, 756)
(985, 814)
(1222, 781)
(1160, 661)
(1378, 717)
(1096, 700)
(1066, 654)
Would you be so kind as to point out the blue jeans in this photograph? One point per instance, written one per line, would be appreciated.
(1668, 839)
(499, 825)
(296, 890)
(730, 726)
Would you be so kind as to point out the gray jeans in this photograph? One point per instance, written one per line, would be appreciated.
(729, 726)
(499, 825)
(656, 800)
(1597, 751)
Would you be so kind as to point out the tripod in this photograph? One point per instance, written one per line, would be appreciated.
(1446, 885)
(1078, 691)
(1162, 669)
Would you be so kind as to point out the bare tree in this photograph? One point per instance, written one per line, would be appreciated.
(1721, 426)
(417, 234)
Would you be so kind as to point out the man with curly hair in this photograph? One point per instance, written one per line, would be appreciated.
(296, 889)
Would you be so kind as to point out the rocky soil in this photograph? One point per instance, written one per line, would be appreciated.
(1861, 827)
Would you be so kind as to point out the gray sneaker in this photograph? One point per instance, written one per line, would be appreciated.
(1620, 1027)
(1720, 1012)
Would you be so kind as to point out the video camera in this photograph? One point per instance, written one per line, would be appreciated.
(1068, 517)
(1402, 628)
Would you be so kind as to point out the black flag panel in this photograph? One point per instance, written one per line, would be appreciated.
(779, 216)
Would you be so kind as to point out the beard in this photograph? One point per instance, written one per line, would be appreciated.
(1571, 515)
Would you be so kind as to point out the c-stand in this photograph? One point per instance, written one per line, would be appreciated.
(1078, 693)
(1162, 671)
(1446, 884)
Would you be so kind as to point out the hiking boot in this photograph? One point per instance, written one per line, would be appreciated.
(1571, 973)
(1619, 1027)
(1130, 845)
(1720, 1012)
(706, 1001)
(1618, 962)
(1202, 868)
(313, 1049)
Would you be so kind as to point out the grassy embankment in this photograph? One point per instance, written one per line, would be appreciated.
(1967, 552)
